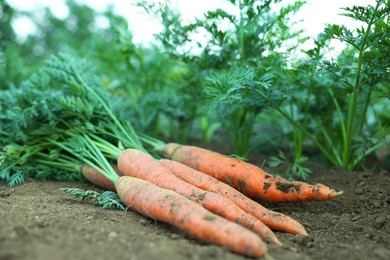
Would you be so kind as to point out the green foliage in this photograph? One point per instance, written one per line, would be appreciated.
(359, 80)
(231, 94)
(137, 69)
(333, 99)
(21, 59)
(7, 34)
(160, 104)
(244, 34)
(57, 109)
(295, 169)
(238, 51)
(107, 199)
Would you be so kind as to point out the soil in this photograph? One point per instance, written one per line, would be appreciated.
(39, 221)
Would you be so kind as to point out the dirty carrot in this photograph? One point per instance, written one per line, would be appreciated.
(246, 177)
(168, 206)
(272, 219)
(97, 178)
(138, 164)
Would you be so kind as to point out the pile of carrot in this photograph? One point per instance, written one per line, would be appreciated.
(211, 187)
(170, 207)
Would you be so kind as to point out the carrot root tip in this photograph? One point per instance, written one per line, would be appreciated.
(304, 233)
(277, 242)
(336, 193)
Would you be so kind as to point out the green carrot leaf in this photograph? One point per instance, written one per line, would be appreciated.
(107, 199)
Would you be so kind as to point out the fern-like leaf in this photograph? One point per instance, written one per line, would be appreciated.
(107, 199)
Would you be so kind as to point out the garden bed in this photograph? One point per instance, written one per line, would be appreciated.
(39, 221)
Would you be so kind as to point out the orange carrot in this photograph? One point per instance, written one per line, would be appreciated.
(246, 177)
(172, 208)
(135, 163)
(97, 178)
(272, 219)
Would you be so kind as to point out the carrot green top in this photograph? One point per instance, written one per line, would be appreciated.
(61, 109)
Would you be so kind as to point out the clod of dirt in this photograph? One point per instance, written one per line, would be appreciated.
(112, 235)
(380, 222)
(307, 241)
(359, 191)
(382, 253)
(174, 236)
(17, 232)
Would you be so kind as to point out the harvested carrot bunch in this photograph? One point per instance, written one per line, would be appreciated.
(137, 164)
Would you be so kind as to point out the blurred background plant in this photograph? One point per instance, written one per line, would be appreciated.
(152, 81)
(240, 50)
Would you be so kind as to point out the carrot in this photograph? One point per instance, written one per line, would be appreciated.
(272, 219)
(246, 177)
(97, 178)
(172, 208)
(135, 163)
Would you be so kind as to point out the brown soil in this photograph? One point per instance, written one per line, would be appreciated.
(39, 221)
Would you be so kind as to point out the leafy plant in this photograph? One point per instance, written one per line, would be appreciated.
(344, 95)
(366, 74)
(295, 168)
(238, 49)
(231, 95)
(44, 116)
(107, 199)
(359, 81)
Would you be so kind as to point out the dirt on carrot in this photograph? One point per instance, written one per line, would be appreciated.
(286, 187)
(39, 221)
